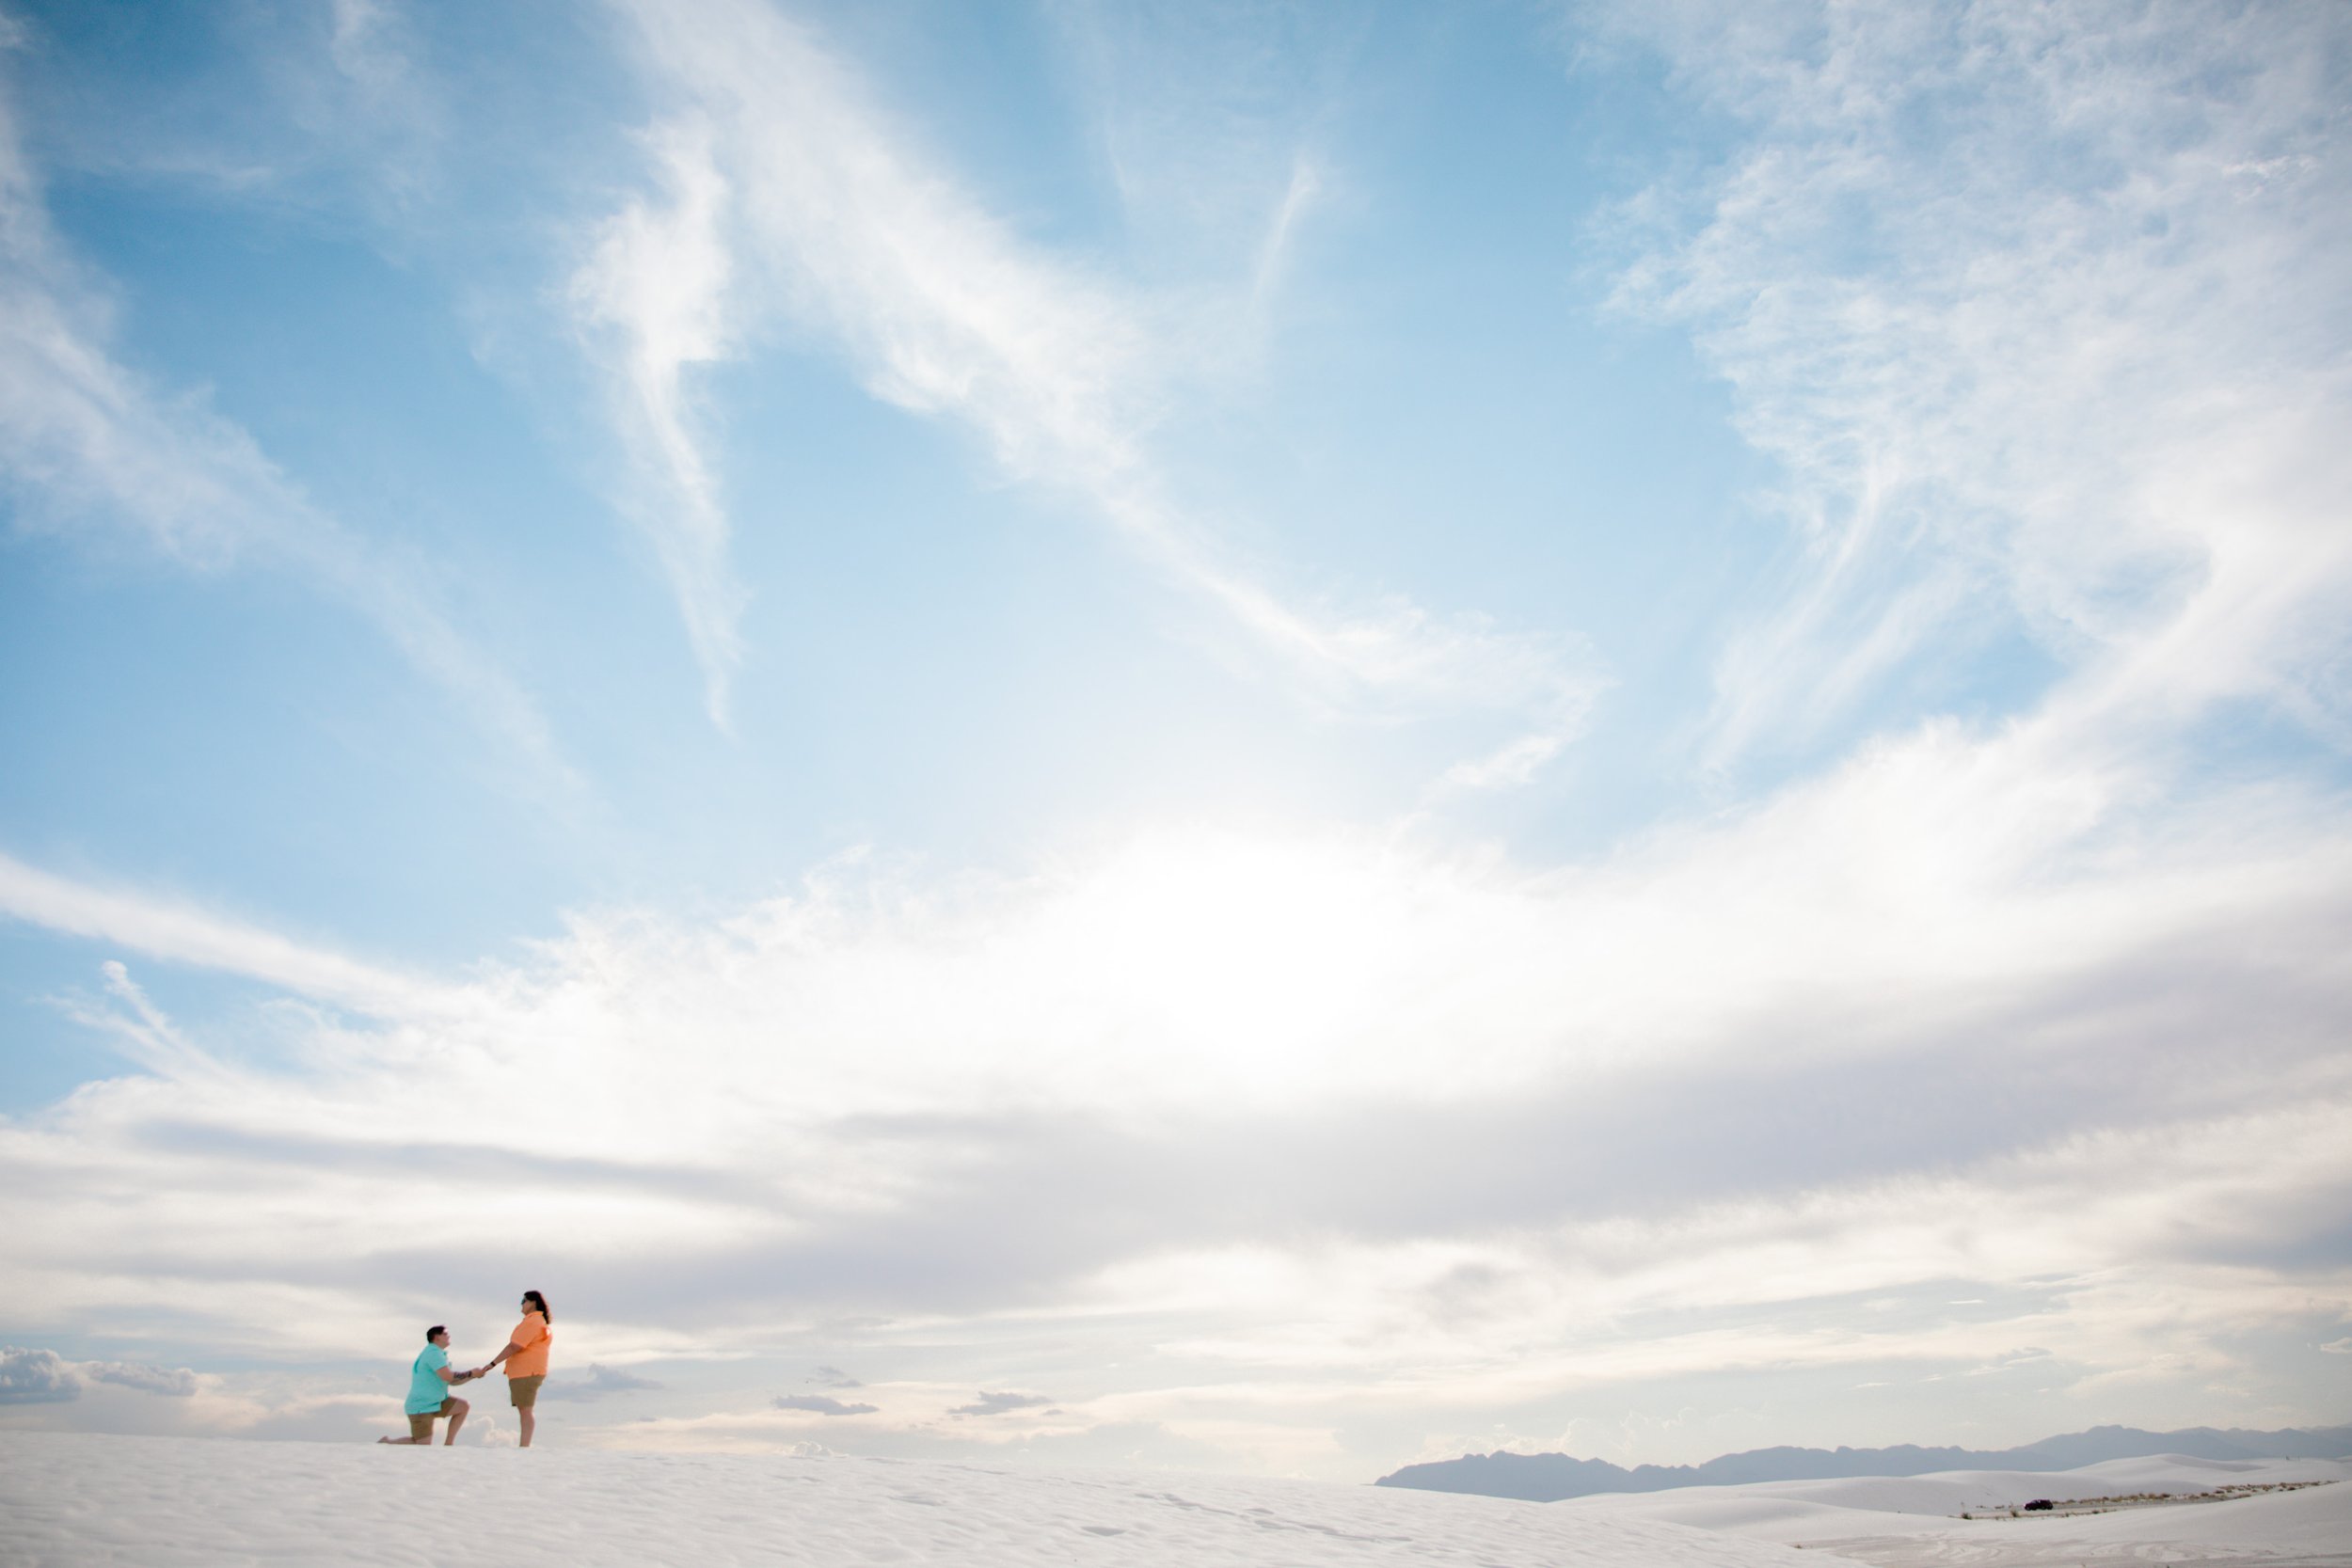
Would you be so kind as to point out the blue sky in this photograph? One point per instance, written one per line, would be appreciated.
(1332, 734)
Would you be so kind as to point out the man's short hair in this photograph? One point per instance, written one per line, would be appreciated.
(437, 1328)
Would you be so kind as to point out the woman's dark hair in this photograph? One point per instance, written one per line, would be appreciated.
(541, 1301)
(437, 1328)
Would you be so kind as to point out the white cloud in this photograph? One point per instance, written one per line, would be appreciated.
(362, 46)
(838, 220)
(2037, 307)
(184, 933)
(656, 288)
(356, 81)
(143, 1033)
(1209, 122)
(88, 442)
(1282, 234)
(1931, 1022)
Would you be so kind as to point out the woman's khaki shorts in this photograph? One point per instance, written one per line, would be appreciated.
(421, 1427)
(524, 1391)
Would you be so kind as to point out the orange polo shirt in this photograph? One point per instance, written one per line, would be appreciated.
(532, 1335)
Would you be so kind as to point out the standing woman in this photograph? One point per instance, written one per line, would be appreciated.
(526, 1358)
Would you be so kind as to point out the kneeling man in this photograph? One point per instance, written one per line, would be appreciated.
(429, 1382)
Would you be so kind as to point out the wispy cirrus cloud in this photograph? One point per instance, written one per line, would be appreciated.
(2040, 312)
(363, 43)
(141, 1029)
(89, 443)
(1211, 121)
(654, 298)
(812, 204)
(182, 932)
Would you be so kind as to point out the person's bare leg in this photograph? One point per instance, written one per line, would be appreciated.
(525, 1416)
(456, 1418)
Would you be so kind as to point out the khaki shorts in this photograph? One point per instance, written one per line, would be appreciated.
(524, 1391)
(421, 1427)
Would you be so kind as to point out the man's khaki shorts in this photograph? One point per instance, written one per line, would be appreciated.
(524, 1391)
(421, 1427)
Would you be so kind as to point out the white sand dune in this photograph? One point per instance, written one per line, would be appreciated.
(1913, 1522)
(163, 1502)
(83, 1499)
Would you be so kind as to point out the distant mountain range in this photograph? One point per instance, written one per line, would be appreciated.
(1544, 1478)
